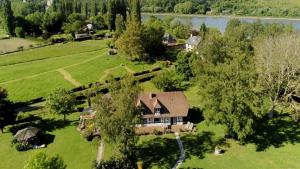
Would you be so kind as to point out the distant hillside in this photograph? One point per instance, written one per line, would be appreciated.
(276, 8)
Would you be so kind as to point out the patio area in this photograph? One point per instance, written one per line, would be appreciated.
(162, 130)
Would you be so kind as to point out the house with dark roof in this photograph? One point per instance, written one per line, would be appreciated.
(163, 109)
(192, 43)
(169, 39)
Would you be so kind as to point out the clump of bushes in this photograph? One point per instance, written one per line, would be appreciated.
(21, 48)
(20, 32)
(157, 132)
(88, 132)
(61, 38)
(20, 146)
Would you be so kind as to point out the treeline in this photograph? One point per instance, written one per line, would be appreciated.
(256, 8)
(223, 7)
(45, 18)
(177, 6)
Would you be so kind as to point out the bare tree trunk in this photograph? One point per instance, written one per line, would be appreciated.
(1, 129)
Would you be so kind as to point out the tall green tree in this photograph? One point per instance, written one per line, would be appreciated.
(76, 7)
(120, 26)
(166, 81)
(61, 102)
(135, 10)
(84, 8)
(203, 30)
(41, 161)
(7, 17)
(6, 114)
(130, 42)
(35, 21)
(102, 7)
(183, 67)
(93, 8)
(121, 8)
(111, 14)
(230, 95)
(98, 22)
(75, 23)
(117, 115)
(52, 23)
(153, 33)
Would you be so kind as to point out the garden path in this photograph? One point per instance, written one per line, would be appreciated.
(129, 70)
(182, 155)
(68, 77)
(100, 151)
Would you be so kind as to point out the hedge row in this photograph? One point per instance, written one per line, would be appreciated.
(101, 87)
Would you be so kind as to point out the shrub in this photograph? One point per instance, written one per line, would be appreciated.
(167, 81)
(22, 116)
(87, 134)
(21, 48)
(61, 38)
(121, 163)
(22, 147)
(20, 32)
(157, 132)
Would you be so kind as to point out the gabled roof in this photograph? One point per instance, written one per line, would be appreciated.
(174, 102)
(168, 36)
(194, 40)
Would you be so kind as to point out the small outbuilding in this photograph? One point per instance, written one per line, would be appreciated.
(192, 43)
(169, 39)
(28, 134)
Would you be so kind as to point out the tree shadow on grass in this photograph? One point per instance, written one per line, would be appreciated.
(195, 115)
(43, 124)
(47, 138)
(276, 132)
(164, 152)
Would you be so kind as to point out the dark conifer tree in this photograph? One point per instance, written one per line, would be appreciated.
(84, 9)
(7, 17)
(102, 6)
(135, 10)
(93, 8)
(111, 14)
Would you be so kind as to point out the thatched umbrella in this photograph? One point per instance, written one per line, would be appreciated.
(26, 134)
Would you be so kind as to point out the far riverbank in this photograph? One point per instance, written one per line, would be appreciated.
(220, 21)
(224, 16)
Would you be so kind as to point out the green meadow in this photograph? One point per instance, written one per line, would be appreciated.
(36, 72)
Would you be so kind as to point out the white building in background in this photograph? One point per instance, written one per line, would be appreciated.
(49, 3)
(192, 43)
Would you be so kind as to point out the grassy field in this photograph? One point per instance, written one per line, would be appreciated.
(66, 142)
(275, 147)
(34, 73)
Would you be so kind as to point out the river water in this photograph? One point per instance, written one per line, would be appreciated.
(221, 22)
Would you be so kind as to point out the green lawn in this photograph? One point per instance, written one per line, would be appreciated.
(36, 87)
(58, 50)
(67, 142)
(34, 73)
